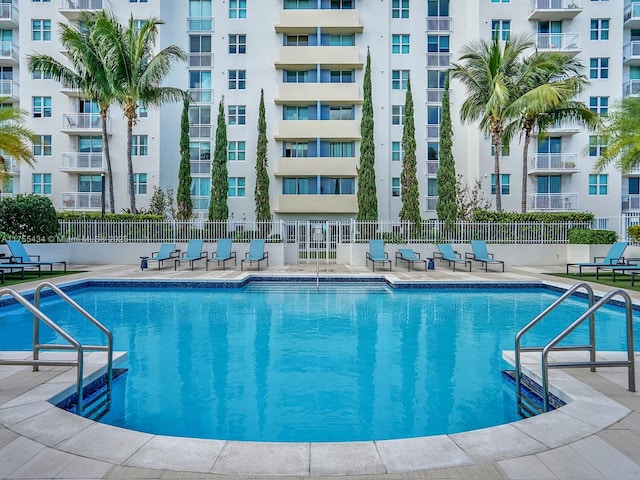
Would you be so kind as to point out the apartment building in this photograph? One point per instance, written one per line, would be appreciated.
(308, 56)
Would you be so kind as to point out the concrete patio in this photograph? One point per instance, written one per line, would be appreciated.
(597, 435)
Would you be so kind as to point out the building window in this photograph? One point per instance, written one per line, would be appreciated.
(41, 30)
(599, 29)
(41, 107)
(598, 184)
(342, 76)
(599, 67)
(139, 145)
(236, 187)
(596, 145)
(236, 151)
(505, 183)
(599, 105)
(400, 44)
(395, 187)
(399, 79)
(201, 192)
(90, 183)
(295, 112)
(200, 115)
(237, 114)
(500, 1)
(438, 43)
(140, 183)
(505, 151)
(341, 149)
(400, 9)
(141, 110)
(42, 146)
(437, 8)
(397, 153)
(237, 44)
(347, 40)
(296, 40)
(41, 183)
(39, 1)
(397, 114)
(137, 1)
(237, 8)
(433, 151)
(296, 76)
(200, 15)
(237, 79)
(38, 75)
(341, 112)
(341, 4)
(500, 29)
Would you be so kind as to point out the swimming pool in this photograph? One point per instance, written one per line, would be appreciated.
(292, 362)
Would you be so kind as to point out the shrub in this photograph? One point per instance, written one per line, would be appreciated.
(544, 217)
(30, 218)
(634, 233)
(591, 237)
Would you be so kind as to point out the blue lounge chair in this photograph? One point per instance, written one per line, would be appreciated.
(376, 254)
(256, 253)
(19, 256)
(193, 254)
(446, 253)
(166, 252)
(411, 257)
(480, 254)
(223, 253)
(614, 257)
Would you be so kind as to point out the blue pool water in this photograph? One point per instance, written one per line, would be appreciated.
(289, 362)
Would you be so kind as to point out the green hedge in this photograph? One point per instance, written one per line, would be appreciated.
(29, 218)
(591, 237)
(545, 217)
(112, 217)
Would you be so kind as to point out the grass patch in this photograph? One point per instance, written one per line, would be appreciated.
(15, 278)
(606, 278)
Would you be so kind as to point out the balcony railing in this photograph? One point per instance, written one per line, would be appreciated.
(200, 131)
(558, 162)
(439, 24)
(201, 59)
(434, 95)
(631, 51)
(200, 24)
(632, 12)
(8, 11)
(433, 131)
(201, 95)
(9, 88)
(631, 88)
(200, 167)
(564, 42)
(84, 121)
(560, 202)
(439, 59)
(432, 167)
(9, 50)
(432, 202)
(82, 201)
(13, 167)
(630, 202)
(85, 4)
(83, 162)
(554, 4)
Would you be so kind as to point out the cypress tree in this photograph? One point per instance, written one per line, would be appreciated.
(367, 196)
(410, 211)
(218, 208)
(183, 196)
(261, 193)
(446, 207)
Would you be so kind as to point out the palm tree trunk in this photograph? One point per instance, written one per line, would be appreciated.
(496, 169)
(525, 168)
(107, 158)
(132, 193)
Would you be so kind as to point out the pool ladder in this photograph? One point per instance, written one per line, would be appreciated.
(84, 407)
(527, 407)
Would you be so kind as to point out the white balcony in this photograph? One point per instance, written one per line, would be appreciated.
(553, 163)
(200, 24)
(11, 89)
(201, 95)
(432, 167)
(438, 59)
(554, 202)
(200, 131)
(344, 93)
(84, 201)
(73, 9)
(332, 21)
(79, 123)
(9, 16)
(554, 9)
(631, 53)
(201, 59)
(311, 166)
(75, 162)
(13, 167)
(564, 128)
(308, 129)
(432, 202)
(558, 42)
(439, 24)
(9, 53)
(344, 58)
(630, 203)
(632, 15)
(434, 95)
(317, 204)
(631, 88)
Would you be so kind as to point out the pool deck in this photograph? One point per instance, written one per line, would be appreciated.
(597, 435)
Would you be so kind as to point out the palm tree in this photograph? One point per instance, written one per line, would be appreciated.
(14, 139)
(137, 73)
(621, 137)
(489, 71)
(88, 73)
(548, 82)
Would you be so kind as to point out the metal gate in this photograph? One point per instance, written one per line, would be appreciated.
(317, 240)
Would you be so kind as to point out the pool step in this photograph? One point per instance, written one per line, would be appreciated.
(532, 395)
(96, 397)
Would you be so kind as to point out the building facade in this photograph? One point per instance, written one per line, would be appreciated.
(308, 57)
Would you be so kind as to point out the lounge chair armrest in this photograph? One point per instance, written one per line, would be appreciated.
(266, 254)
(204, 254)
(233, 254)
(154, 254)
(457, 253)
(438, 255)
(469, 256)
(175, 254)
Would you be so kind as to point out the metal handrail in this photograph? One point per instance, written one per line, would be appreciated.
(36, 336)
(536, 320)
(629, 363)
